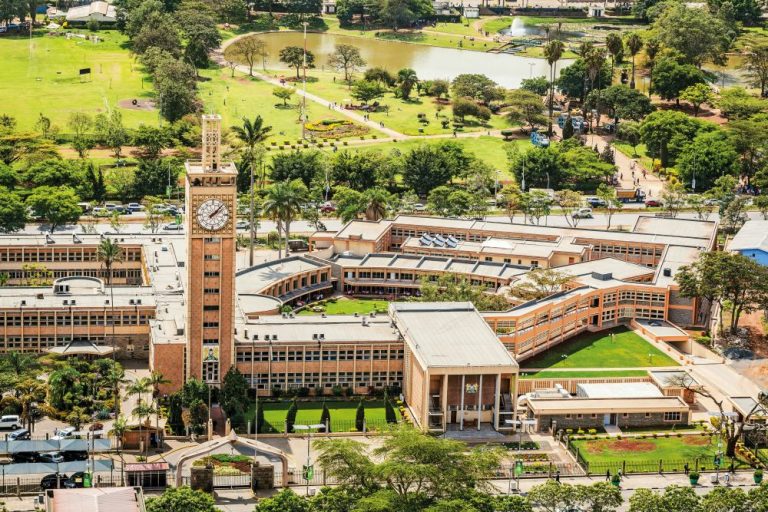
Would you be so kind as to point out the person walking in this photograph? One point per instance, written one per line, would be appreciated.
(557, 476)
(686, 468)
(607, 475)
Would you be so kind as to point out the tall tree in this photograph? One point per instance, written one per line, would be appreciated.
(109, 253)
(634, 45)
(284, 203)
(249, 50)
(615, 46)
(346, 58)
(293, 56)
(13, 213)
(251, 133)
(55, 205)
(553, 51)
(407, 80)
(756, 65)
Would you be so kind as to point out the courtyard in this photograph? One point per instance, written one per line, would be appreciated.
(617, 348)
(346, 306)
(342, 414)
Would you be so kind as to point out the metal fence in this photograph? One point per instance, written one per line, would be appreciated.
(31, 484)
(242, 480)
(628, 467)
(336, 426)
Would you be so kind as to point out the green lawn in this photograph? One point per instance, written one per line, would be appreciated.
(41, 75)
(344, 306)
(685, 448)
(342, 413)
(576, 374)
(465, 28)
(598, 350)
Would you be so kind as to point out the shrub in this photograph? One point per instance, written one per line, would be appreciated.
(290, 417)
(693, 475)
(360, 416)
(325, 417)
(580, 431)
(592, 431)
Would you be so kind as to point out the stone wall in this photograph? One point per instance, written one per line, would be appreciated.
(262, 476)
(201, 478)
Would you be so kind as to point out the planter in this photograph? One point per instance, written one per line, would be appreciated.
(615, 483)
(694, 481)
(758, 478)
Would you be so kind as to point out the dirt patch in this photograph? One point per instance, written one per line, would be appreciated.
(623, 445)
(137, 104)
(696, 440)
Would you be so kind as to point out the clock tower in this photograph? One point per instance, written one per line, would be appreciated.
(211, 201)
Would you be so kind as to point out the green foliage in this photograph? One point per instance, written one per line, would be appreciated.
(429, 166)
(284, 501)
(233, 396)
(538, 85)
(696, 34)
(360, 417)
(325, 417)
(665, 134)
(298, 165)
(573, 80)
(260, 418)
(175, 420)
(455, 288)
(477, 87)
(463, 107)
(620, 102)
(696, 95)
(13, 213)
(670, 78)
(737, 103)
(293, 56)
(709, 156)
(290, 417)
(525, 107)
(55, 205)
(182, 499)
(389, 410)
(367, 90)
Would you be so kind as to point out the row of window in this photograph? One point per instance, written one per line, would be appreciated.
(628, 250)
(65, 318)
(244, 356)
(668, 416)
(325, 379)
(50, 255)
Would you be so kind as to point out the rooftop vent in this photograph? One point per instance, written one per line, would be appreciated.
(667, 272)
(39, 296)
(602, 276)
(23, 303)
(321, 337)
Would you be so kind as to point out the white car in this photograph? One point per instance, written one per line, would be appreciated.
(418, 207)
(64, 433)
(582, 213)
(243, 224)
(10, 421)
(173, 227)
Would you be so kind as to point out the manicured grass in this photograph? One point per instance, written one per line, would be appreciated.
(598, 350)
(465, 28)
(564, 374)
(686, 447)
(444, 41)
(402, 115)
(344, 306)
(342, 413)
(41, 75)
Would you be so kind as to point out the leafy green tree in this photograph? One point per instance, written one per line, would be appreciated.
(599, 497)
(615, 46)
(439, 88)
(737, 103)
(553, 497)
(696, 95)
(750, 138)
(732, 281)
(157, 30)
(746, 11)
(665, 132)
(175, 84)
(573, 79)
(175, 420)
(260, 418)
(200, 32)
(284, 501)
(9, 178)
(406, 80)
(346, 58)
(478, 87)
(629, 133)
(357, 170)
(298, 165)
(758, 498)
(111, 132)
(248, 50)
(540, 283)
(670, 78)
(283, 203)
(463, 107)
(366, 90)
(152, 140)
(182, 499)
(13, 213)
(293, 56)
(756, 66)
(426, 167)
(360, 417)
(553, 51)
(55, 205)
(347, 461)
(620, 102)
(389, 410)
(381, 75)
(645, 500)
(234, 393)
(525, 107)
(709, 156)
(283, 93)
(725, 498)
(538, 85)
(151, 177)
(695, 33)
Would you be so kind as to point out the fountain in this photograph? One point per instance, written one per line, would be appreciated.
(517, 28)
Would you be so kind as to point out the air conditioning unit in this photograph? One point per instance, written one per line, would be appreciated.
(667, 272)
(321, 337)
(314, 336)
(266, 337)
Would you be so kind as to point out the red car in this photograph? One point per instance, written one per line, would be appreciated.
(653, 202)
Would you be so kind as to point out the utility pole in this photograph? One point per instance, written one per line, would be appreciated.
(304, 85)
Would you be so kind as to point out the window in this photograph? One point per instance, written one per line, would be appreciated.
(672, 416)
(211, 291)
(567, 416)
(210, 273)
(210, 324)
(212, 307)
(211, 257)
(213, 240)
(579, 416)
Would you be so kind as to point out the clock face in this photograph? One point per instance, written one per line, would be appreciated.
(212, 215)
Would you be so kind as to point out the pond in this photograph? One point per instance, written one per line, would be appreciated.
(430, 62)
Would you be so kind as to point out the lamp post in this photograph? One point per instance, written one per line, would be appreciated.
(496, 190)
(304, 86)
(308, 469)
(517, 468)
(530, 65)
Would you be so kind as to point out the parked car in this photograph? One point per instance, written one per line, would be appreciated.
(242, 224)
(135, 207)
(23, 457)
(21, 434)
(582, 213)
(64, 433)
(53, 481)
(327, 207)
(71, 456)
(173, 227)
(75, 481)
(653, 203)
(595, 202)
(50, 457)
(11, 421)
(418, 207)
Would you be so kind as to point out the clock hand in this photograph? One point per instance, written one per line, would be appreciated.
(216, 212)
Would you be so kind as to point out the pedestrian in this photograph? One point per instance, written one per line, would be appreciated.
(686, 468)
(633, 174)
(607, 475)
(454, 133)
(381, 124)
(732, 469)
(621, 176)
(557, 476)
(621, 475)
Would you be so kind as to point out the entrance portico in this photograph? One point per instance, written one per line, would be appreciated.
(458, 375)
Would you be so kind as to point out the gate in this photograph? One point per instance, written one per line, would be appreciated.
(239, 481)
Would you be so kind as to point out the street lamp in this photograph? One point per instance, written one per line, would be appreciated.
(496, 189)
(518, 466)
(531, 64)
(304, 85)
(308, 469)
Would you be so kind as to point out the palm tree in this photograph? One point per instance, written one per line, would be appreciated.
(251, 134)
(553, 51)
(652, 49)
(634, 45)
(27, 392)
(109, 253)
(407, 79)
(112, 380)
(283, 204)
(155, 380)
(19, 363)
(377, 202)
(139, 387)
(143, 411)
(118, 430)
(615, 47)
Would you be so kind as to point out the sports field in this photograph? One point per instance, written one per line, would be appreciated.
(624, 349)
(42, 75)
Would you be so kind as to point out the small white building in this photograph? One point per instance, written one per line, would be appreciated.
(618, 390)
(103, 12)
(471, 12)
(596, 11)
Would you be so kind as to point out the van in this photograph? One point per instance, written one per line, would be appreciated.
(10, 421)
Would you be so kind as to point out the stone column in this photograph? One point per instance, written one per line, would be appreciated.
(479, 400)
(461, 410)
(444, 402)
(496, 401)
(262, 476)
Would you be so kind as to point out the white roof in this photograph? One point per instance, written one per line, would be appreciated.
(752, 235)
(85, 11)
(619, 390)
(96, 499)
(256, 279)
(445, 334)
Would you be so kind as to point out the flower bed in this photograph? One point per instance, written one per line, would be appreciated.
(335, 129)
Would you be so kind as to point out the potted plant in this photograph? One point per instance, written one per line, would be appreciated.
(616, 480)
(693, 476)
(758, 476)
